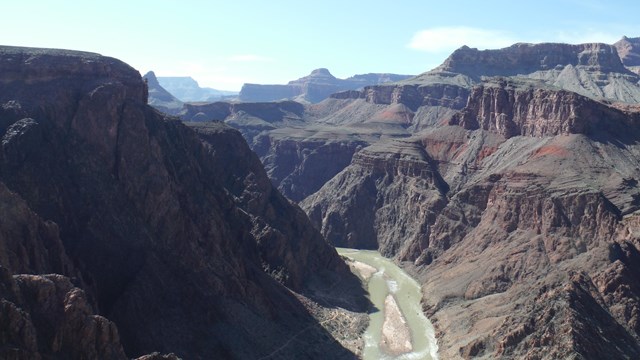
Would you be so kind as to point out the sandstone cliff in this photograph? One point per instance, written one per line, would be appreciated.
(182, 244)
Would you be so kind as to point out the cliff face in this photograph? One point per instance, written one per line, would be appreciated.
(166, 240)
(299, 168)
(44, 315)
(369, 193)
(413, 96)
(629, 51)
(513, 109)
(528, 58)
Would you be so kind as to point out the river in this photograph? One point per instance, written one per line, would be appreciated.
(407, 336)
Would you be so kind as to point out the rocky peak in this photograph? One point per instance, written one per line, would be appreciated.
(524, 58)
(629, 50)
(321, 72)
(151, 78)
(318, 76)
(159, 97)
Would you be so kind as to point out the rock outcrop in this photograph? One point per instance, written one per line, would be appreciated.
(629, 51)
(44, 316)
(160, 98)
(514, 108)
(365, 207)
(312, 88)
(178, 239)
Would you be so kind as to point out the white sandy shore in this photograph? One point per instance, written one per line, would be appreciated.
(396, 335)
(364, 270)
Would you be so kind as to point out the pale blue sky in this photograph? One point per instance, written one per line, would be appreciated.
(223, 44)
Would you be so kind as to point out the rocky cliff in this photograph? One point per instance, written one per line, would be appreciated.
(525, 58)
(312, 88)
(44, 316)
(364, 210)
(512, 108)
(593, 70)
(177, 238)
(629, 51)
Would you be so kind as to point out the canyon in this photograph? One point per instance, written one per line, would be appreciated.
(504, 180)
(127, 234)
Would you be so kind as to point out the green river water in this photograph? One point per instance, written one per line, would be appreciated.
(389, 278)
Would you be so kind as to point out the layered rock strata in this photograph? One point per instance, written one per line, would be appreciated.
(511, 218)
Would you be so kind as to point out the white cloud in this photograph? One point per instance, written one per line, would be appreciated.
(445, 39)
(250, 58)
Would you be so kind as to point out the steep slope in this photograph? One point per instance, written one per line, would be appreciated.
(629, 51)
(312, 88)
(160, 98)
(184, 245)
(519, 218)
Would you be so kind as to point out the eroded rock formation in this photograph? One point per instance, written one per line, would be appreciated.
(160, 98)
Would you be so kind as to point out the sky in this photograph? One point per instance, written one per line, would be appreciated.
(223, 44)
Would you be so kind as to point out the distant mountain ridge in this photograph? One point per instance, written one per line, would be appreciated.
(314, 87)
(187, 89)
(594, 70)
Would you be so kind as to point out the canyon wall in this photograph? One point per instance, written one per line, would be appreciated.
(177, 238)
